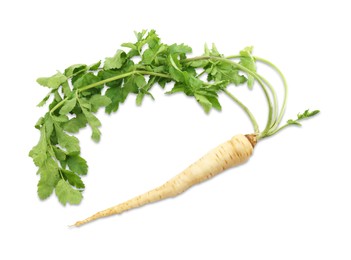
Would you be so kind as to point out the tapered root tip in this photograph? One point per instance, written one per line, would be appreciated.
(74, 225)
(91, 218)
(78, 224)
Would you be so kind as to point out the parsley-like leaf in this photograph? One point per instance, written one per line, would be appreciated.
(116, 96)
(45, 99)
(307, 114)
(75, 69)
(77, 164)
(73, 179)
(52, 82)
(85, 80)
(95, 66)
(70, 143)
(248, 61)
(68, 106)
(204, 102)
(92, 120)
(49, 177)
(304, 115)
(179, 49)
(76, 123)
(116, 61)
(67, 194)
(59, 154)
(38, 152)
(98, 101)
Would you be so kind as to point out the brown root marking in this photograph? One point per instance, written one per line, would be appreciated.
(252, 138)
(231, 153)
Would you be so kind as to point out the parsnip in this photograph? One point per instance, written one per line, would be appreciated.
(231, 153)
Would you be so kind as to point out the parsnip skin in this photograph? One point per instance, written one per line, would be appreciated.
(231, 153)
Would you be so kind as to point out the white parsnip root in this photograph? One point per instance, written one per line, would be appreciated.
(231, 153)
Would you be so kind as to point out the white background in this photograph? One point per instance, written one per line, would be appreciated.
(290, 201)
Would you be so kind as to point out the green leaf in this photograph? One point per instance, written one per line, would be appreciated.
(223, 71)
(75, 69)
(60, 118)
(57, 96)
(59, 154)
(212, 52)
(95, 66)
(76, 123)
(248, 61)
(193, 83)
(73, 179)
(94, 123)
(98, 101)
(199, 63)
(49, 125)
(68, 106)
(92, 120)
(66, 89)
(174, 62)
(175, 69)
(52, 82)
(77, 164)
(140, 35)
(66, 194)
(70, 143)
(116, 96)
(176, 75)
(139, 81)
(152, 39)
(214, 102)
(44, 189)
(150, 55)
(204, 102)
(139, 98)
(178, 87)
(132, 85)
(39, 152)
(129, 45)
(46, 98)
(304, 115)
(85, 80)
(179, 49)
(307, 114)
(142, 92)
(49, 177)
(116, 61)
(39, 123)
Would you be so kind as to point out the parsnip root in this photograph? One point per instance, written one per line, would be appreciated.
(231, 153)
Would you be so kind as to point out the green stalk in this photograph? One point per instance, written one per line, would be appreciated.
(274, 131)
(248, 112)
(143, 72)
(256, 76)
(282, 110)
(274, 94)
(101, 82)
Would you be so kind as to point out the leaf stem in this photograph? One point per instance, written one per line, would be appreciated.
(247, 111)
(274, 94)
(282, 110)
(59, 104)
(274, 129)
(101, 82)
(255, 75)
